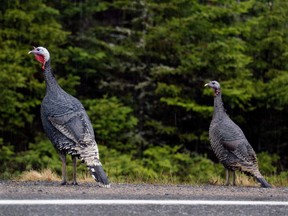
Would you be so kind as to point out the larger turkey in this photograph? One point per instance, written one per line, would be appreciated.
(67, 124)
(229, 142)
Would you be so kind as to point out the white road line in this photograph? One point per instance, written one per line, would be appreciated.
(140, 202)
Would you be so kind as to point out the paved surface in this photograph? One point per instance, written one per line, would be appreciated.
(10, 190)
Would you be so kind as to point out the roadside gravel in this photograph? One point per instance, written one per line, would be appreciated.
(53, 190)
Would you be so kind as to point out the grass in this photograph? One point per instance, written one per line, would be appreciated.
(49, 175)
(241, 179)
(44, 175)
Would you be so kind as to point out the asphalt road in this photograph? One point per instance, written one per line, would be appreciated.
(129, 199)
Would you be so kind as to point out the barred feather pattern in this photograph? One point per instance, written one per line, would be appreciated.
(74, 126)
(230, 144)
(87, 151)
(68, 126)
(85, 148)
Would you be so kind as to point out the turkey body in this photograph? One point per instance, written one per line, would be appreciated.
(67, 124)
(231, 146)
(229, 142)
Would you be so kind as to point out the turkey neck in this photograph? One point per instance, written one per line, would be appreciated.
(219, 110)
(51, 82)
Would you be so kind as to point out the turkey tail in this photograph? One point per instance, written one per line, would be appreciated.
(99, 175)
(263, 183)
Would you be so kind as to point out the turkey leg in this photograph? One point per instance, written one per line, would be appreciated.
(74, 160)
(63, 158)
(234, 178)
(228, 176)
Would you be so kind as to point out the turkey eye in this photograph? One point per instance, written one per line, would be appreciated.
(213, 83)
(38, 49)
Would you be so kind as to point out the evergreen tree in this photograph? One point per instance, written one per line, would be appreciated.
(139, 67)
(24, 24)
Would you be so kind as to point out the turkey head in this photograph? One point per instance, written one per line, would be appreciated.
(214, 85)
(41, 54)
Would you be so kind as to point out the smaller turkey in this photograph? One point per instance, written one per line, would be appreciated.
(67, 124)
(229, 142)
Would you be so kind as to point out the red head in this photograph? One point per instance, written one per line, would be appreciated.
(41, 54)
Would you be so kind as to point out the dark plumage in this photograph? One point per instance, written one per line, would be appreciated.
(67, 125)
(229, 142)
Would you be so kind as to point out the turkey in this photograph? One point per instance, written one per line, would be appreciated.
(67, 124)
(229, 142)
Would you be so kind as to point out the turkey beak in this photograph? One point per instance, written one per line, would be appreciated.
(31, 51)
(206, 84)
(34, 51)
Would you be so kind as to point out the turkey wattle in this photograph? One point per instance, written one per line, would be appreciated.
(67, 124)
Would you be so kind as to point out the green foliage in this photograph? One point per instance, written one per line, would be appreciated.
(23, 24)
(113, 123)
(6, 153)
(181, 167)
(123, 167)
(40, 155)
(139, 67)
(202, 170)
(268, 163)
(163, 159)
(277, 92)
(164, 164)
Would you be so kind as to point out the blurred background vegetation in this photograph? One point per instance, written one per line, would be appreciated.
(139, 67)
